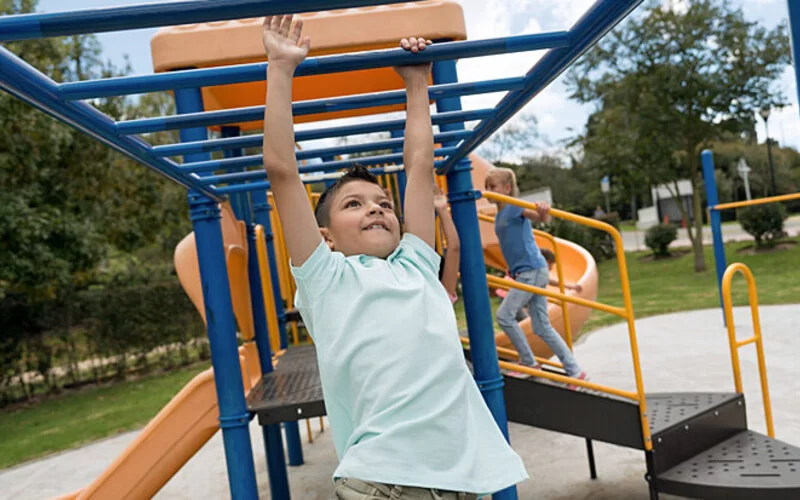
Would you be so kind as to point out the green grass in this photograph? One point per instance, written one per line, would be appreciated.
(665, 286)
(671, 285)
(75, 418)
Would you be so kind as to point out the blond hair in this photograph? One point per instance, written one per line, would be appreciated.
(505, 176)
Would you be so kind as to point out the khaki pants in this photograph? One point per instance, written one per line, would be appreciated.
(355, 489)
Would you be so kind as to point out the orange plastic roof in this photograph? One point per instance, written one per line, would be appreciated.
(349, 30)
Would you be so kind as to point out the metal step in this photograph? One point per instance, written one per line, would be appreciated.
(747, 465)
(684, 424)
(292, 392)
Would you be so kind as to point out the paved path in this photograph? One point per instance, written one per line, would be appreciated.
(679, 352)
(634, 240)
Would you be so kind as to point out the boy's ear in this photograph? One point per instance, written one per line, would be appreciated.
(326, 235)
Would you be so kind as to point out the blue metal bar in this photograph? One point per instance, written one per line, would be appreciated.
(273, 439)
(401, 176)
(257, 175)
(473, 273)
(23, 81)
(794, 30)
(151, 15)
(243, 73)
(712, 199)
(254, 140)
(261, 209)
(220, 322)
(592, 26)
(240, 202)
(255, 160)
(265, 185)
(311, 107)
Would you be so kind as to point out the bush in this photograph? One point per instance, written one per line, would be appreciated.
(764, 223)
(658, 238)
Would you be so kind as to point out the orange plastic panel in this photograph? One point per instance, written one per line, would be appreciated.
(349, 30)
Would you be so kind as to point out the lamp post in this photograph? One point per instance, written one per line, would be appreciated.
(765, 116)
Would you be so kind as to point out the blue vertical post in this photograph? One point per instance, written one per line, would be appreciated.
(240, 202)
(401, 175)
(712, 200)
(273, 440)
(462, 196)
(261, 209)
(234, 418)
(794, 29)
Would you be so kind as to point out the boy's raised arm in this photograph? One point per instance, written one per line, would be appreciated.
(418, 147)
(285, 50)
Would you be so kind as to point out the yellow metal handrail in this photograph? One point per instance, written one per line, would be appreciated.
(759, 201)
(756, 339)
(559, 273)
(266, 289)
(626, 312)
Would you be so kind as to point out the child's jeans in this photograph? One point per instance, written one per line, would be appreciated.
(355, 489)
(537, 308)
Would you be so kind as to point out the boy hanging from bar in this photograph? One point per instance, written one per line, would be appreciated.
(408, 420)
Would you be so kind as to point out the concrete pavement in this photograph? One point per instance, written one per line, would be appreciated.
(679, 352)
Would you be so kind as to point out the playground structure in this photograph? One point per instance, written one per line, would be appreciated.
(236, 242)
(715, 220)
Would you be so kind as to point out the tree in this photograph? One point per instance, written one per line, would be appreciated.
(517, 140)
(670, 82)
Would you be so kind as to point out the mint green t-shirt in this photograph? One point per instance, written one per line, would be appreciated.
(403, 406)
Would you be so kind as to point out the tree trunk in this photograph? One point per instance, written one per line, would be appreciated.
(697, 243)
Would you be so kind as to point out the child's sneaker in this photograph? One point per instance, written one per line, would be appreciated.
(515, 374)
(581, 376)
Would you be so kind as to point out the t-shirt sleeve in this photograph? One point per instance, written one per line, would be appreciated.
(420, 254)
(514, 211)
(318, 272)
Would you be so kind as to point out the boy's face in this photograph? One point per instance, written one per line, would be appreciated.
(497, 186)
(362, 221)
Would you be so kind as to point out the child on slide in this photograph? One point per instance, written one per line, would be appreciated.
(526, 265)
(407, 418)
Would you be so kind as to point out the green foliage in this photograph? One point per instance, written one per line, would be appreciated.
(764, 223)
(659, 237)
(574, 188)
(668, 83)
(598, 243)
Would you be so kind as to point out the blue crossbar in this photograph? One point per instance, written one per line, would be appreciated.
(598, 20)
(256, 160)
(314, 179)
(152, 15)
(311, 107)
(243, 73)
(255, 140)
(330, 166)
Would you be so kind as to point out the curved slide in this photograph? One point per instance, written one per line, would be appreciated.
(577, 264)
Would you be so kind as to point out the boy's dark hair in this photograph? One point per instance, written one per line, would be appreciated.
(357, 173)
(548, 255)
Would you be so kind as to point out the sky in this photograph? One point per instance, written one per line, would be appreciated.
(559, 117)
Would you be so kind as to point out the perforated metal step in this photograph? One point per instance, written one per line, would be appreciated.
(293, 391)
(671, 409)
(746, 466)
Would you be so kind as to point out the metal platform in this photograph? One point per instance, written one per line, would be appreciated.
(292, 392)
(747, 465)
